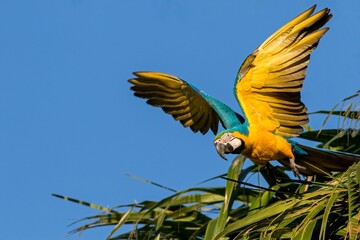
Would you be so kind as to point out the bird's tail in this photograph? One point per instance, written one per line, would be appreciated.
(322, 161)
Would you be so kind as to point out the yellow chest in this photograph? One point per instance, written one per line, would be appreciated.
(262, 146)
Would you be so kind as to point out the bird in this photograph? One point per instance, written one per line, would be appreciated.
(268, 90)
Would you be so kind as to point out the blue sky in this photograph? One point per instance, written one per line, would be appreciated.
(70, 125)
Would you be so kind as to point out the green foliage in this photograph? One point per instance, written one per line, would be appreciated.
(318, 208)
(324, 211)
(336, 139)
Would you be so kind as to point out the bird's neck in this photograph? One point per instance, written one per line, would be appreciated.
(242, 128)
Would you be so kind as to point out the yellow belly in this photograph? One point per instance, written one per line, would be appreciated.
(262, 146)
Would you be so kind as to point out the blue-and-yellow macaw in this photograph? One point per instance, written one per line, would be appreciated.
(267, 87)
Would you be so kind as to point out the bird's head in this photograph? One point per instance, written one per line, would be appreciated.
(226, 142)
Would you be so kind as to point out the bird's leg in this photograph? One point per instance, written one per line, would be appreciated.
(295, 167)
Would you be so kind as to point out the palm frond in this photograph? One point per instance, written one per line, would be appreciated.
(345, 140)
(319, 212)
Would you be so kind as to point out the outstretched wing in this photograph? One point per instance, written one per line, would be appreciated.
(270, 79)
(193, 108)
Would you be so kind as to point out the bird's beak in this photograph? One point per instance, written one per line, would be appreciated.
(227, 143)
(220, 148)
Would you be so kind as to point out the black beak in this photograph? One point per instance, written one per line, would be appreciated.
(220, 148)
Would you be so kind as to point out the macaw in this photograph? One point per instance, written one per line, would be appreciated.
(267, 88)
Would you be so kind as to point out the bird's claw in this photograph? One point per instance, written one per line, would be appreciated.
(296, 168)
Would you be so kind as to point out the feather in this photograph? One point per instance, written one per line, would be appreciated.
(183, 101)
(321, 161)
(271, 78)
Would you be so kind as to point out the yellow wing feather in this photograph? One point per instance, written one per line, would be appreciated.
(177, 98)
(270, 79)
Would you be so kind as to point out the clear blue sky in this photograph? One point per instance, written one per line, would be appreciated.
(70, 125)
